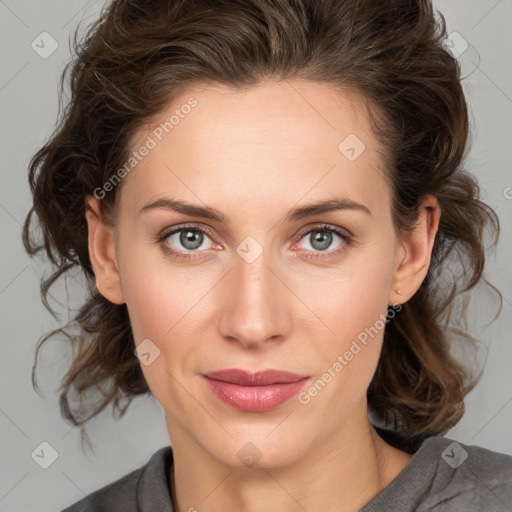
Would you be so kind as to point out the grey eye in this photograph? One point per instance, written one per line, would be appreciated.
(187, 239)
(321, 239)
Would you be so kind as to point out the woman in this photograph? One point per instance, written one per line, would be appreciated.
(269, 199)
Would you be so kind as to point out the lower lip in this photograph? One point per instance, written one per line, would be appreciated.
(254, 398)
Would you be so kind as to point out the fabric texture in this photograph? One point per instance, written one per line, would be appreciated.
(442, 476)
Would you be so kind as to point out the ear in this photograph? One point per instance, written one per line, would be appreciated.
(414, 253)
(102, 253)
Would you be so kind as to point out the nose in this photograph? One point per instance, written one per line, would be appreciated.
(255, 303)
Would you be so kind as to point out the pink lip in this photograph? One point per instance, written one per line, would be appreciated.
(257, 392)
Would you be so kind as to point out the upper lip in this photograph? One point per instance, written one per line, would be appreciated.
(258, 378)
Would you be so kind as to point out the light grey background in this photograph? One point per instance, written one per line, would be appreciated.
(28, 97)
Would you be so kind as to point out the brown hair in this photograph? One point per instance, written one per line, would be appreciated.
(140, 54)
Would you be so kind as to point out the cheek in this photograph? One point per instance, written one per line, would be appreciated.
(165, 305)
(354, 307)
(151, 311)
(351, 300)
(158, 312)
(158, 296)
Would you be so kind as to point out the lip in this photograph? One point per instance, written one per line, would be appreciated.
(254, 391)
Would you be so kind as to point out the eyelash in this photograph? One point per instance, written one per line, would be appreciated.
(346, 238)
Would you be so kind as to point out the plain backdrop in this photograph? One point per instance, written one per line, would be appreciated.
(30, 72)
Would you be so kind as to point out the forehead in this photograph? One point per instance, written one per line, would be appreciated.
(281, 139)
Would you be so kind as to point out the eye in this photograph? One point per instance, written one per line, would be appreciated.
(321, 238)
(183, 240)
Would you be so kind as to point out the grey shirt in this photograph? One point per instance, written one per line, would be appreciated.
(443, 475)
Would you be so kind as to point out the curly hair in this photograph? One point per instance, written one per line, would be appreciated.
(139, 54)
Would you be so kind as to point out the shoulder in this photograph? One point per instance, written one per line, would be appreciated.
(118, 495)
(445, 475)
(126, 493)
(494, 467)
(466, 476)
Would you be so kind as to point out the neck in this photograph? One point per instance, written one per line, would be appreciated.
(343, 473)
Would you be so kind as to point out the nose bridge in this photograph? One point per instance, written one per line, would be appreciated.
(254, 310)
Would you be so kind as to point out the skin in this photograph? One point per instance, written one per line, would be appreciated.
(254, 156)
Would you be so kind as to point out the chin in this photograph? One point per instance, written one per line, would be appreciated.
(254, 449)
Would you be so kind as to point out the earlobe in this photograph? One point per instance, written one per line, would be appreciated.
(102, 254)
(415, 252)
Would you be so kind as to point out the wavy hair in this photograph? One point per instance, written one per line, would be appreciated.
(139, 54)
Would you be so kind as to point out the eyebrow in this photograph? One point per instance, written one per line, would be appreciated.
(301, 212)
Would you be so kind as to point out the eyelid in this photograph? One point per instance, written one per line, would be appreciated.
(192, 227)
(328, 227)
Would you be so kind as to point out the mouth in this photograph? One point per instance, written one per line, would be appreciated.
(256, 392)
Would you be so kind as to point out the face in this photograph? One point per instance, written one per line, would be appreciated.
(264, 283)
